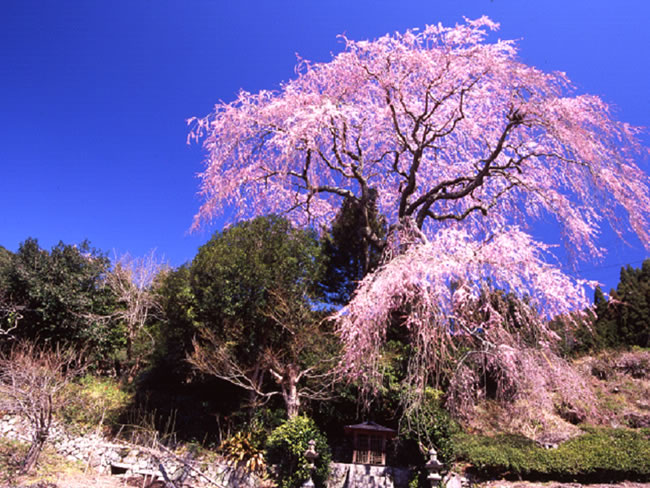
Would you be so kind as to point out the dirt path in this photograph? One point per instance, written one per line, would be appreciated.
(78, 480)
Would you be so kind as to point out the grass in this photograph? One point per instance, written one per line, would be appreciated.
(94, 402)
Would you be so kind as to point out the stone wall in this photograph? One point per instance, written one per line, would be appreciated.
(112, 457)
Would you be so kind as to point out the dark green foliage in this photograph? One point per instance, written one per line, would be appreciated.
(349, 253)
(624, 320)
(599, 454)
(429, 425)
(10, 309)
(600, 331)
(202, 408)
(605, 329)
(230, 289)
(285, 450)
(234, 275)
(633, 292)
(60, 294)
(176, 328)
(502, 454)
(255, 286)
(6, 260)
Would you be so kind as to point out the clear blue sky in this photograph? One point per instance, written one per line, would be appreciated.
(94, 95)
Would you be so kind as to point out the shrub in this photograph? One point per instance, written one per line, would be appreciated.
(501, 454)
(611, 453)
(599, 453)
(32, 381)
(285, 449)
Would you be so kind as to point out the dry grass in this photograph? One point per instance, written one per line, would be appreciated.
(52, 471)
(49, 469)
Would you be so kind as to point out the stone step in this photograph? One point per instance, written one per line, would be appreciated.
(362, 480)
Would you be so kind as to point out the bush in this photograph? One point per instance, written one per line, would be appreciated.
(598, 454)
(285, 449)
(501, 454)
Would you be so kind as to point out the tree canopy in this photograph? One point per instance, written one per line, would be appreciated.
(254, 285)
(461, 147)
(233, 274)
(58, 294)
(347, 255)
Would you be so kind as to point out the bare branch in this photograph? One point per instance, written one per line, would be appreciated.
(31, 382)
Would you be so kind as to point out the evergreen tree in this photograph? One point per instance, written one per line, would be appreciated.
(255, 286)
(624, 319)
(61, 295)
(633, 291)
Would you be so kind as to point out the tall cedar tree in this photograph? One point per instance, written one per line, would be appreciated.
(348, 255)
(624, 320)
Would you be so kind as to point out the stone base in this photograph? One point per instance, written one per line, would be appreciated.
(344, 475)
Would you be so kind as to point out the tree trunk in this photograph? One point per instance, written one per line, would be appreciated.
(290, 394)
(34, 452)
(129, 347)
(257, 379)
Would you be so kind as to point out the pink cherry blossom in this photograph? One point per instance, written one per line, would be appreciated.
(464, 148)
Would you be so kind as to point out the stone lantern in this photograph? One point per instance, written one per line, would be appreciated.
(434, 468)
(311, 455)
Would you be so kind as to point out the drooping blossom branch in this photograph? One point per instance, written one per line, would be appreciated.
(435, 286)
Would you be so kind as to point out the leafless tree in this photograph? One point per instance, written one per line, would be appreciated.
(132, 281)
(32, 380)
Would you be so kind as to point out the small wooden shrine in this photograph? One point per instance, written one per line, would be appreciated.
(369, 442)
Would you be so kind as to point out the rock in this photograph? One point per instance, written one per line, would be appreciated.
(452, 480)
(637, 420)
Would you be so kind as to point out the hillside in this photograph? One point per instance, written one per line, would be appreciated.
(615, 401)
(611, 389)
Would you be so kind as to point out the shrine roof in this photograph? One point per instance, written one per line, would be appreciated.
(370, 426)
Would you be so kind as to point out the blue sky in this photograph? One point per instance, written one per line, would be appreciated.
(95, 95)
